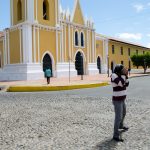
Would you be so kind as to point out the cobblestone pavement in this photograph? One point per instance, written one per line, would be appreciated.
(50, 121)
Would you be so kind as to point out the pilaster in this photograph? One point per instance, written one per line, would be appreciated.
(27, 43)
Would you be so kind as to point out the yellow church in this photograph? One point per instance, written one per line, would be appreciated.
(43, 35)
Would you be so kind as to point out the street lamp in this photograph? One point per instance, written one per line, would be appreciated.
(108, 65)
(69, 67)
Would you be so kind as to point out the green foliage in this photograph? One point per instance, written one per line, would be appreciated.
(141, 60)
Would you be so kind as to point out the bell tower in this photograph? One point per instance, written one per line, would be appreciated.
(21, 11)
(45, 12)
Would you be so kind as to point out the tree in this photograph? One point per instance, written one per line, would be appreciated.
(141, 60)
(135, 60)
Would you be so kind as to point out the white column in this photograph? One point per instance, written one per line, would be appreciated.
(65, 44)
(30, 11)
(4, 59)
(58, 16)
(87, 45)
(90, 47)
(34, 42)
(36, 11)
(27, 43)
(20, 36)
(72, 43)
(8, 48)
(106, 55)
(61, 46)
(5, 47)
(25, 7)
(56, 9)
(106, 49)
(56, 46)
(95, 59)
(60, 58)
(38, 45)
(93, 47)
(11, 12)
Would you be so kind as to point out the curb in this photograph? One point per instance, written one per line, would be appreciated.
(139, 76)
(53, 88)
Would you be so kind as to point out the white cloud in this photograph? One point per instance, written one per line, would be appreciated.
(130, 36)
(148, 35)
(138, 7)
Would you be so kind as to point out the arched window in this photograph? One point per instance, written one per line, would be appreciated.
(45, 10)
(82, 39)
(19, 10)
(76, 39)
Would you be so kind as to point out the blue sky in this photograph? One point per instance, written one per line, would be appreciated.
(128, 19)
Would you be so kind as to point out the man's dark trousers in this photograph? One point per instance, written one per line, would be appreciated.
(120, 113)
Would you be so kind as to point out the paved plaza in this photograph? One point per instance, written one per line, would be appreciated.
(70, 120)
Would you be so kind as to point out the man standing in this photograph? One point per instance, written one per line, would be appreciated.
(48, 75)
(119, 80)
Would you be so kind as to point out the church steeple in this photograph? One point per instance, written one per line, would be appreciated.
(44, 12)
(77, 15)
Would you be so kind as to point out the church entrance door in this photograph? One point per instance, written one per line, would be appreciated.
(47, 63)
(79, 63)
(99, 64)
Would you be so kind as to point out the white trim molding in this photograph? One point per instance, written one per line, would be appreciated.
(34, 42)
(83, 39)
(27, 43)
(81, 51)
(20, 37)
(30, 11)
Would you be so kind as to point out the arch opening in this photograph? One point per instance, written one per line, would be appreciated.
(47, 63)
(99, 64)
(19, 10)
(45, 10)
(76, 39)
(79, 63)
(82, 39)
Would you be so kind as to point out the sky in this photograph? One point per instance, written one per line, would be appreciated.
(125, 19)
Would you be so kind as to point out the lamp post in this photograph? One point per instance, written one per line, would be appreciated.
(69, 69)
(108, 65)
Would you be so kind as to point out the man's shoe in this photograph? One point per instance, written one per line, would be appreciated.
(124, 128)
(118, 139)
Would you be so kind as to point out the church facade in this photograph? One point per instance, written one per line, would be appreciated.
(42, 36)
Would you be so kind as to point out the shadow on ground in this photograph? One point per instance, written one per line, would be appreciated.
(108, 144)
